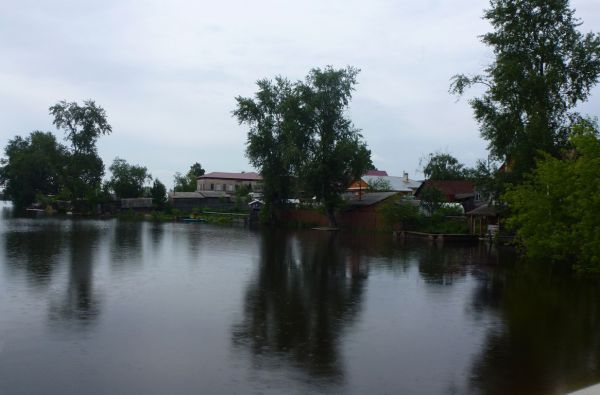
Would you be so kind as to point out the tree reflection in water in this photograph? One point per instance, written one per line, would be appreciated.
(126, 248)
(546, 339)
(36, 250)
(80, 304)
(308, 290)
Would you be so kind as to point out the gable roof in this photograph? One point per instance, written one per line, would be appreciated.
(452, 189)
(249, 176)
(485, 210)
(377, 173)
(366, 199)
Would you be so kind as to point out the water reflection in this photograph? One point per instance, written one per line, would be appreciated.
(36, 250)
(546, 337)
(126, 249)
(311, 311)
(79, 304)
(308, 290)
(444, 265)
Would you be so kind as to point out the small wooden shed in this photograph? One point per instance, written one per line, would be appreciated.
(481, 218)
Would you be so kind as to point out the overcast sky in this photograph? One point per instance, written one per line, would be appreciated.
(167, 73)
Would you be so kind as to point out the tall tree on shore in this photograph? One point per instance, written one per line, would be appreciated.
(83, 126)
(337, 153)
(543, 68)
(278, 137)
(300, 135)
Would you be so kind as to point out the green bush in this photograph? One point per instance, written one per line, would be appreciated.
(555, 212)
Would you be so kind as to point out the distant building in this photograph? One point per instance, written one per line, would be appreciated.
(454, 191)
(188, 201)
(229, 183)
(136, 204)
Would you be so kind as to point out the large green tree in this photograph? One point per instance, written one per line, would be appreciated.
(555, 212)
(127, 180)
(83, 126)
(189, 181)
(32, 165)
(337, 153)
(300, 136)
(543, 67)
(442, 166)
(278, 138)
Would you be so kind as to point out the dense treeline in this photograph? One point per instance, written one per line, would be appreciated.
(38, 168)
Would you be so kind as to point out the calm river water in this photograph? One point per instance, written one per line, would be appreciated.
(110, 307)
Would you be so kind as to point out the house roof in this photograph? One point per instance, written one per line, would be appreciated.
(249, 176)
(484, 210)
(398, 184)
(196, 195)
(452, 189)
(366, 199)
(376, 173)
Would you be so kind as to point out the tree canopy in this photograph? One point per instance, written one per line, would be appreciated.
(189, 181)
(543, 67)
(32, 165)
(379, 184)
(337, 153)
(158, 193)
(278, 137)
(127, 181)
(555, 212)
(83, 126)
(301, 138)
(442, 166)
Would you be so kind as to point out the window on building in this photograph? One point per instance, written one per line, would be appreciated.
(212, 187)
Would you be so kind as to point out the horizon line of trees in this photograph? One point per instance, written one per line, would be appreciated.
(38, 166)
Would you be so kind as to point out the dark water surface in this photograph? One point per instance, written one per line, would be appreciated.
(109, 307)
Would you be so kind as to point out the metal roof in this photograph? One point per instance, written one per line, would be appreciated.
(484, 211)
(366, 199)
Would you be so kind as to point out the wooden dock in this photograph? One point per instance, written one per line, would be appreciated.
(438, 238)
